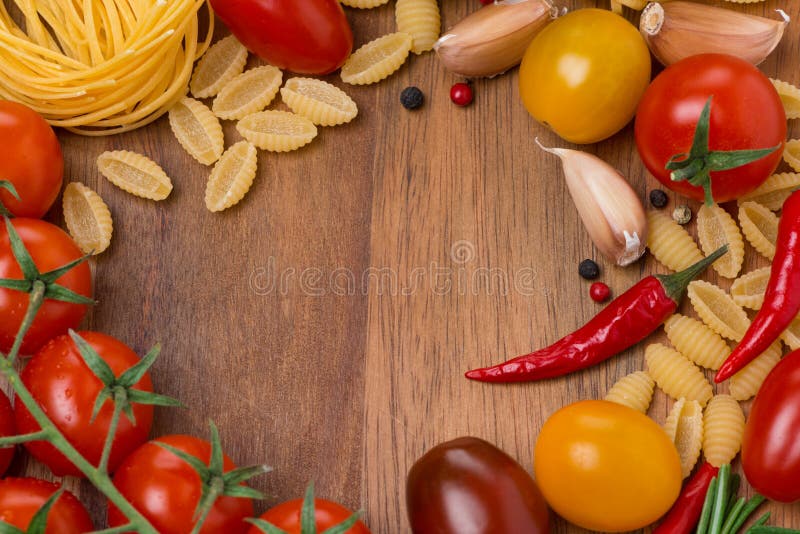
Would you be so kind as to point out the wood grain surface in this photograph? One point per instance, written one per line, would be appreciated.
(325, 322)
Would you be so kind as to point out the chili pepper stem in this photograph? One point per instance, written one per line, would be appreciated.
(35, 301)
(675, 284)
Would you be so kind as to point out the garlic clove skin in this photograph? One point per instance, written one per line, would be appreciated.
(610, 209)
(676, 30)
(494, 38)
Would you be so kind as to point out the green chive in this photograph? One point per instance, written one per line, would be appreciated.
(750, 507)
(733, 515)
(736, 480)
(763, 529)
(705, 515)
(760, 521)
(721, 500)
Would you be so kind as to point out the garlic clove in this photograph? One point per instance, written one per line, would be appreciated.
(676, 30)
(609, 207)
(494, 38)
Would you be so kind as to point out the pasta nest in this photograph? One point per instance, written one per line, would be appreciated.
(100, 66)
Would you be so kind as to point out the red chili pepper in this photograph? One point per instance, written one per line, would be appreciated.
(630, 318)
(684, 515)
(781, 299)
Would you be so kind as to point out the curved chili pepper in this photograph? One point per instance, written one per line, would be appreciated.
(684, 515)
(781, 299)
(630, 318)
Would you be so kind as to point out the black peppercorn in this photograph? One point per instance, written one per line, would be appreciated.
(658, 198)
(411, 97)
(588, 269)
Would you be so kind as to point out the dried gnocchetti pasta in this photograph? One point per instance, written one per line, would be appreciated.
(684, 426)
(791, 336)
(791, 154)
(715, 228)
(774, 191)
(197, 129)
(747, 382)
(790, 97)
(676, 375)
(220, 64)
(247, 93)
(748, 290)
(322, 103)
(88, 218)
(723, 427)
(634, 391)
(637, 5)
(670, 243)
(277, 131)
(421, 20)
(377, 59)
(696, 341)
(363, 4)
(718, 310)
(760, 227)
(135, 173)
(232, 176)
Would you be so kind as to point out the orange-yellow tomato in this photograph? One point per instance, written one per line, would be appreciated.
(606, 467)
(584, 74)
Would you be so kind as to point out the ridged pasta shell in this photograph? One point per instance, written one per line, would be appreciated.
(87, 217)
(716, 227)
(135, 173)
(718, 310)
(247, 93)
(684, 426)
(197, 130)
(748, 290)
(363, 4)
(377, 59)
(791, 336)
(723, 425)
(774, 191)
(222, 62)
(696, 341)
(670, 243)
(676, 375)
(634, 391)
(760, 227)
(322, 103)
(747, 382)
(232, 176)
(421, 20)
(791, 154)
(277, 131)
(790, 97)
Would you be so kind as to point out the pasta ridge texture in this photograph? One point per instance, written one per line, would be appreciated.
(670, 243)
(760, 226)
(696, 341)
(774, 191)
(232, 176)
(715, 228)
(790, 97)
(676, 375)
(723, 424)
(277, 131)
(746, 383)
(421, 20)
(135, 174)
(684, 426)
(718, 310)
(634, 390)
(320, 102)
(748, 290)
(220, 64)
(197, 129)
(376, 60)
(363, 4)
(791, 154)
(247, 93)
(88, 218)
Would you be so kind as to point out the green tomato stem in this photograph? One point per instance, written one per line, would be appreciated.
(115, 530)
(216, 488)
(120, 398)
(35, 301)
(8, 441)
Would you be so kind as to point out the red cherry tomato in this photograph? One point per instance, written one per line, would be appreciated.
(746, 113)
(461, 94)
(303, 36)
(7, 428)
(166, 490)
(599, 292)
(286, 516)
(21, 498)
(770, 451)
(51, 248)
(32, 160)
(66, 389)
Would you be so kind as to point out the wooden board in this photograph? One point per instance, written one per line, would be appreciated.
(326, 321)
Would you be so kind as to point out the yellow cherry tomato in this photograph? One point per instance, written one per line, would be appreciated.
(584, 75)
(606, 467)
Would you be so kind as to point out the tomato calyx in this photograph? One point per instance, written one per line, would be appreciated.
(696, 166)
(38, 523)
(214, 481)
(8, 186)
(308, 521)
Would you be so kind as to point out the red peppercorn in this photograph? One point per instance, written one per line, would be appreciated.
(461, 94)
(599, 292)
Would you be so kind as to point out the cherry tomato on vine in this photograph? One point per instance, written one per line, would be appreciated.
(286, 516)
(51, 248)
(166, 489)
(745, 114)
(584, 74)
(607, 467)
(21, 498)
(7, 428)
(32, 160)
(303, 36)
(66, 389)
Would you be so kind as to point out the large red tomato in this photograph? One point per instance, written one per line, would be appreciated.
(771, 444)
(303, 36)
(7, 428)
(746, 114)
(21, 498)
(31, 161)
(51, 248)
(166, 489)
(66, 389)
